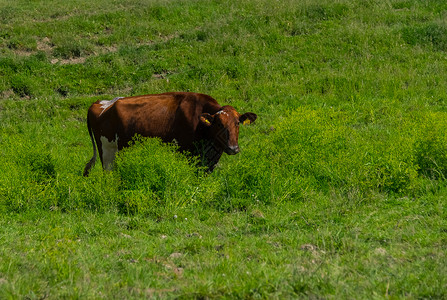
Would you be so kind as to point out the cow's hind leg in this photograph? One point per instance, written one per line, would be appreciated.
(109, 149)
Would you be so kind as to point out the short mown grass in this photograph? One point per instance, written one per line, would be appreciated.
(339, 190)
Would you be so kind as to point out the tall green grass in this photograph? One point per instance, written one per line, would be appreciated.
(305, 151)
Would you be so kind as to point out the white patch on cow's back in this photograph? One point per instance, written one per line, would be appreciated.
(107, 103)
(109, 149)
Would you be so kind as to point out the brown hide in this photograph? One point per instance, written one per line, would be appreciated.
(196, 121)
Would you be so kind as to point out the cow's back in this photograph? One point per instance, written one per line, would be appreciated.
(151, 115)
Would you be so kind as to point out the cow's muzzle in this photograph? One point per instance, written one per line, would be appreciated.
(231, 150)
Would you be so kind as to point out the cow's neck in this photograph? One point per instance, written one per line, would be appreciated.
(209, 153)
(212, 155)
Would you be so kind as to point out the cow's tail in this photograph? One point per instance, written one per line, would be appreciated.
(92, 161)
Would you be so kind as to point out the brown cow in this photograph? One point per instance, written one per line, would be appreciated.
(197, 123)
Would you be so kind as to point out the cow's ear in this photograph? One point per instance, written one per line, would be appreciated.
(247, 118)
(206, 119)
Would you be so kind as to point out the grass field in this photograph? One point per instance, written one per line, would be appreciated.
(340, 187)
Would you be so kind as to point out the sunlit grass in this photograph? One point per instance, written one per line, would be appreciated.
(339, 190)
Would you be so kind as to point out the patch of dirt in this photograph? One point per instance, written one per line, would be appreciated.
(312, 249)
(45, 45)
(176, 255)
(69, 61)
(309, 247)
(159, 76)
(110, 49)
(380, 251)
(23, 53)
(7, 94)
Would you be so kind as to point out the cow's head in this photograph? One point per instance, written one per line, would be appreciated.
(224, 127)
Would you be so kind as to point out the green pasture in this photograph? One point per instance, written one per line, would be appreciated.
(339, 190)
